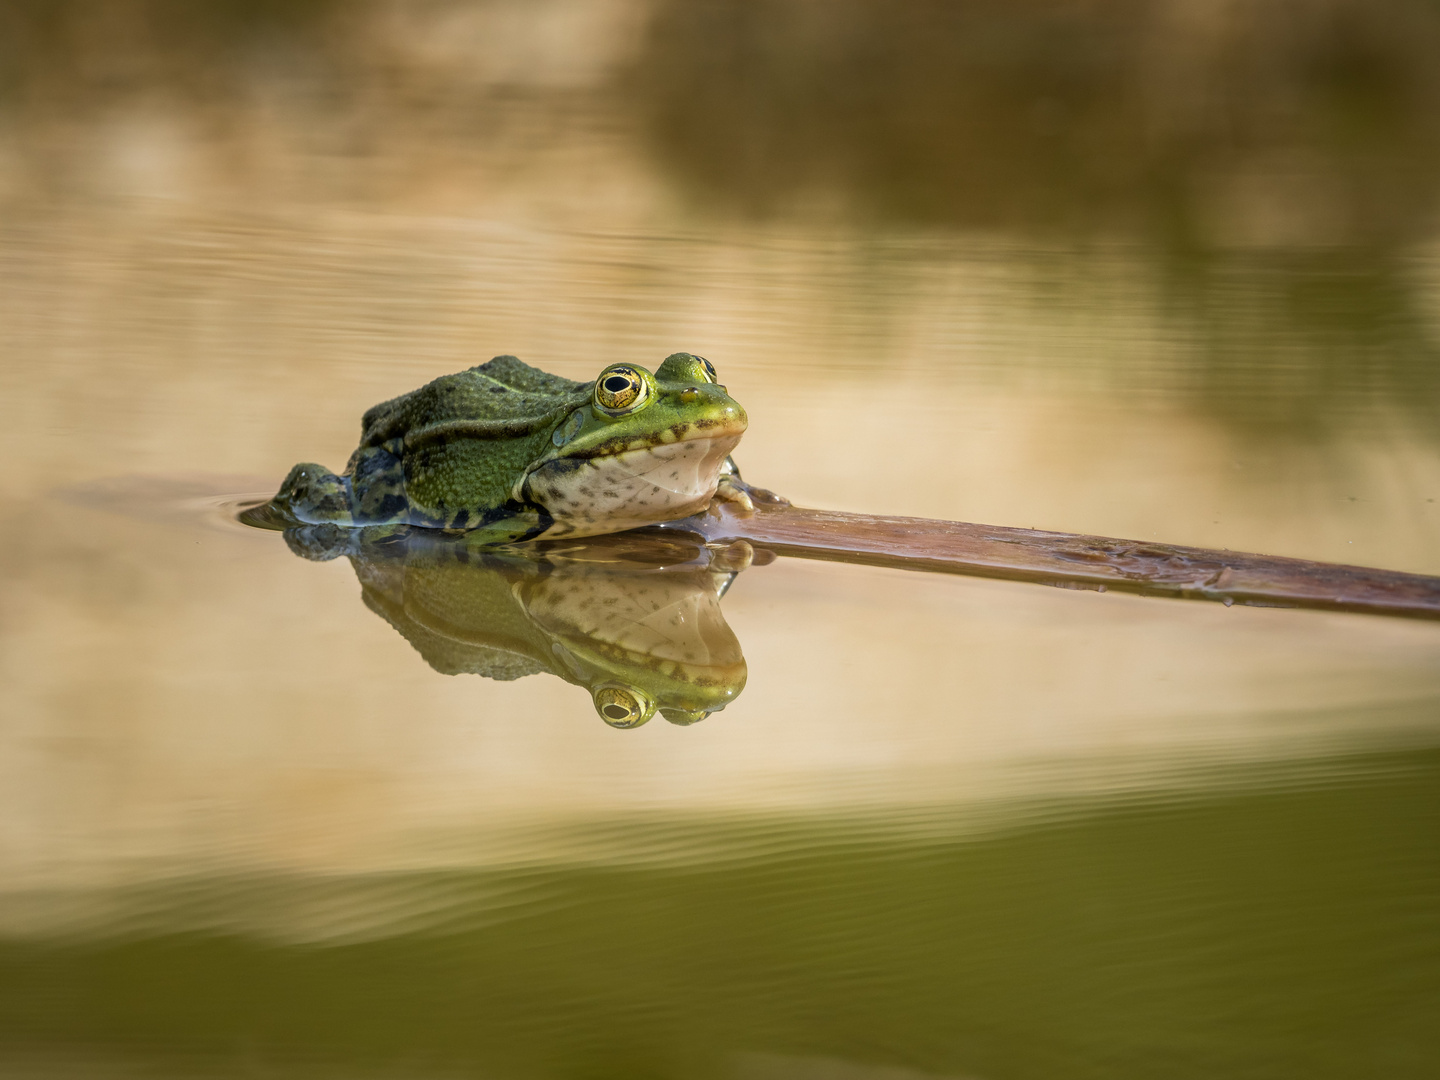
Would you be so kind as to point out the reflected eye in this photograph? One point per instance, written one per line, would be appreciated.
(619, 388)
(709, 369)
(620, 708)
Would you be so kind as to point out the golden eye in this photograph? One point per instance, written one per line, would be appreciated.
(619, 388)
(709, 369)
(620, 708)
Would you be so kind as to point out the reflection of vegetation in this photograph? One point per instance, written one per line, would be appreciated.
(1266, 122)
(1284, 929)
(634, 618)
(88, 52)
(1305, 343)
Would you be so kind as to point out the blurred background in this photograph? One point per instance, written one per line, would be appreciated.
(1159, 269)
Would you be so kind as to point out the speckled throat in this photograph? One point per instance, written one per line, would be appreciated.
(631, 486)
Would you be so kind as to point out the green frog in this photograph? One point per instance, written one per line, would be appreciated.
(510, 453)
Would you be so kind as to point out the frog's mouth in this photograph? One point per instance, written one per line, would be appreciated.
(634, 483)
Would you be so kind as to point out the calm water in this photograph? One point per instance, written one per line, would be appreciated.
(1163, 272)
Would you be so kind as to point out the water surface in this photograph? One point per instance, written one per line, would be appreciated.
(950, 827)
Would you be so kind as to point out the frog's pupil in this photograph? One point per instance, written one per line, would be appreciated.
(616, 712)
(616, 383)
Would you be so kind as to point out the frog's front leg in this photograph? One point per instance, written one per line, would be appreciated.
(732, 488)
(735, 491)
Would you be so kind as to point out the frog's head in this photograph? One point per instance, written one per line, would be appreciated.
(643, 449)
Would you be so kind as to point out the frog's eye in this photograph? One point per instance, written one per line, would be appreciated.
(621, 708)
(709, 369)
(619, 389)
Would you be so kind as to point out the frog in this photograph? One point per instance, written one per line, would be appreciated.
(510, 453)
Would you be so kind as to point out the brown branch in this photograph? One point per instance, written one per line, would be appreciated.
(1074, 561)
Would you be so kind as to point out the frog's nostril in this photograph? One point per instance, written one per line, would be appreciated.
(689, 395)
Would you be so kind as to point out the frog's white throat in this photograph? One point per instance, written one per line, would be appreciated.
(629, 489)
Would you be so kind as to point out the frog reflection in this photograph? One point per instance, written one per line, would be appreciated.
(633, 618)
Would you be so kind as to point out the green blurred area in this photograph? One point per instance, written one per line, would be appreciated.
(1174, 121)
(1272, 123)
(1279, 928)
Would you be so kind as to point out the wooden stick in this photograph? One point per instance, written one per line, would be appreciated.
(1074, 561)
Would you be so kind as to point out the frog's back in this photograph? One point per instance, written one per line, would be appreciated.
(504, 394)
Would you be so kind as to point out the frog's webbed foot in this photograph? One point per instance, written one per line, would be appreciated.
(744, 497)
(313, 495)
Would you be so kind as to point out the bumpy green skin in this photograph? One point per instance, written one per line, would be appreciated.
(456, 453)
